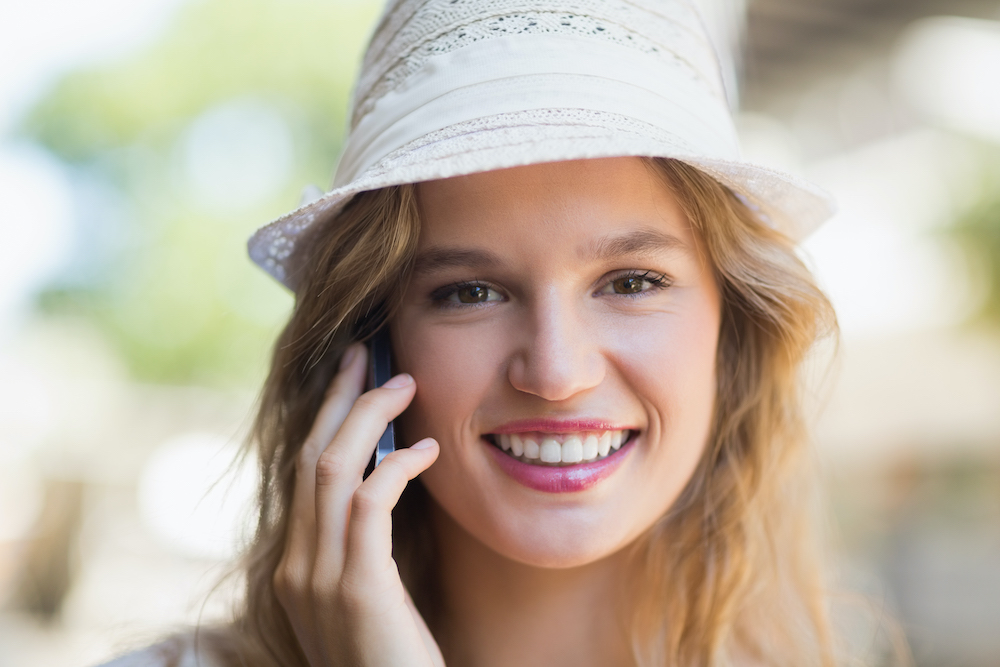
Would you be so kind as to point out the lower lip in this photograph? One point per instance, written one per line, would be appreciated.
(560, 479)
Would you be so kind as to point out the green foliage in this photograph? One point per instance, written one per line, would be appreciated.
(302, 52)
(178, 297)
(979, 234)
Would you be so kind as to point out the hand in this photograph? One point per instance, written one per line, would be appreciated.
(337, 580)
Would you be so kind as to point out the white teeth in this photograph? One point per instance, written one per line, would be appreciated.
(604, 444)
(572, 450)
(531, 449)
(516, 445)
(551, 451)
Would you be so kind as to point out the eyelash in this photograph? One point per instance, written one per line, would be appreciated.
(441, 294)
(658, 281)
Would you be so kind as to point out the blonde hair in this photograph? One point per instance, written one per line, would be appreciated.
(733, 568)
(731, 572)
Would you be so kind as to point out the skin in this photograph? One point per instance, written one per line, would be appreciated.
(573, 290)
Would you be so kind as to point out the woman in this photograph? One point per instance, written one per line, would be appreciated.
(596, 315)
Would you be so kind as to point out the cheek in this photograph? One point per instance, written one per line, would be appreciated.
(454, 370)
(670, 366)
(668, 360)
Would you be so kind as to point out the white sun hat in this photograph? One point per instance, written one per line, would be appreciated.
(454, 87)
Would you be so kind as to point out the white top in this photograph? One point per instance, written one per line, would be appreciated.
(161, 655)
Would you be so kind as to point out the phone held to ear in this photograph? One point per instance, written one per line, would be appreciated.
(379, 372)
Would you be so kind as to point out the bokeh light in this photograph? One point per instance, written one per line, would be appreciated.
(947, 68)
(197, 497)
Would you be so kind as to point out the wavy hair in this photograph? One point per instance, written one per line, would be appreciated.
(730, 573)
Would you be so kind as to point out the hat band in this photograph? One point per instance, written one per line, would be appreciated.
(541, 72)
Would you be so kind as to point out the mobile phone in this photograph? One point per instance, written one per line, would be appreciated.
(379, 372)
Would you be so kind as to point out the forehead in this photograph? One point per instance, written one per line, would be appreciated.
(580, 200)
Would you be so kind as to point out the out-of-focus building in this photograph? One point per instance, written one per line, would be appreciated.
(894, 106)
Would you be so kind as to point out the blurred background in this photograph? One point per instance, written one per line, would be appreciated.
(142, 142)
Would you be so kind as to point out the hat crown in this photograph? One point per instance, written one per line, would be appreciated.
(411, 32)
(433, 67)
(455, 87)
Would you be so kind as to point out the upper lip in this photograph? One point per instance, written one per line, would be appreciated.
(550, 425)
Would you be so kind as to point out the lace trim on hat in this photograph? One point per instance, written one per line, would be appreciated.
(403, 44)
(502, 139)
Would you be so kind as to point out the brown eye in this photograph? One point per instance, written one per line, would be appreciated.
(473, 294)
(635, 283)
(628, 285)
(467, 294)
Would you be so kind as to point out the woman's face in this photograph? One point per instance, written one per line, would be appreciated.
(553, 310)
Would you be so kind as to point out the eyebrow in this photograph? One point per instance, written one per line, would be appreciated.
(638, 242)
(443, 257)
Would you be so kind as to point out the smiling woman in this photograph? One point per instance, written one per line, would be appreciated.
(566, 344)
(596, 314)
(602, 357)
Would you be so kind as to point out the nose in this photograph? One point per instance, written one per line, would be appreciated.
(558, 355)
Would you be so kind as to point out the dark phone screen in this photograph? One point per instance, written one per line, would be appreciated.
(379, 372)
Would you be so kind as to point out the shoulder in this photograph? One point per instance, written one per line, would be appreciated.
(175, 652)
(151, 656)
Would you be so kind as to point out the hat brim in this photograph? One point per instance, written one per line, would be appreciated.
(786, 203)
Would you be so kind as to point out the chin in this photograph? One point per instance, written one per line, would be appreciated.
(561, 539)
(558, 554)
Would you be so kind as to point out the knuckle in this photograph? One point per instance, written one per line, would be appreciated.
(393, 473)
(282, 586)
(330, 466)
(370, 404)
(286, 587)
(279, 581)
(396, 467)
(364, 502)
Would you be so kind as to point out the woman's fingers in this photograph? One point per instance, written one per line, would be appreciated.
(329, 494)
(369, 534)
(347, 385)
(341, 466)
(345, 388)
(293, 575)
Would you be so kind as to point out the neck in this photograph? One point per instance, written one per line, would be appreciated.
(499, 612)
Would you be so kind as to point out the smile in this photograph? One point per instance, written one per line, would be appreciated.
(560, 449)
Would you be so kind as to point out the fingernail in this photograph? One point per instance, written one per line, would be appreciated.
(426, 443)
(398, 382)
(349, 355)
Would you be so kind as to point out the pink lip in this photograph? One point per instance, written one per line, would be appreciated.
(559, 426)
(560, 479)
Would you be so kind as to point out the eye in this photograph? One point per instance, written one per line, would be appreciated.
(466, 294)
(635, 282)
(473, 294)
(628, 285)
